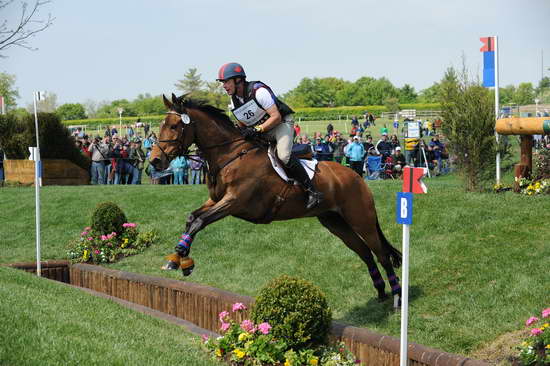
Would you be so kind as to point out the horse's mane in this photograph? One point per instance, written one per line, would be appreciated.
(183, 102)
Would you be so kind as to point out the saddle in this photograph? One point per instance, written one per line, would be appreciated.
(302, 152)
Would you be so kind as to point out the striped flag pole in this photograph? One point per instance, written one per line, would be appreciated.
(490, 79)
(37, 182)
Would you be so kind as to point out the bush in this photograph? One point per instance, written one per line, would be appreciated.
(17, 134)
(108, 218)
(296, 309)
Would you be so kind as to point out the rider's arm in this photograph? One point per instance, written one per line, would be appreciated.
(266, 101)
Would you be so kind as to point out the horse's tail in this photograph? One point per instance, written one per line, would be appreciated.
(395, 255)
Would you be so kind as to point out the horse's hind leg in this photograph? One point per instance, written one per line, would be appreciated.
(367, 228)
(338, 226)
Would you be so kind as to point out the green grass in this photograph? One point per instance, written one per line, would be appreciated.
(479, 262)
(48, 323)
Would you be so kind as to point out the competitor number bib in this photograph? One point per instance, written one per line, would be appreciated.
(249, 113)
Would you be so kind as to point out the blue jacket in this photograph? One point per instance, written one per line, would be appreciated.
(179, 163)
(355, 151)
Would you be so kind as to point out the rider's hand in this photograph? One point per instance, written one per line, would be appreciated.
(249, 132)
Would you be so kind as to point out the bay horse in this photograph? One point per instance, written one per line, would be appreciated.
(242, 183)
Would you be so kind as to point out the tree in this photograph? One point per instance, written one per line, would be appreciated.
(506, 94)
(216, 95)
(191, 83)
(431, 94)
(28, 26)
(70, 111)
(392, 104)
(8, 91)
(467, 110)
(525, 94)
(407, 94)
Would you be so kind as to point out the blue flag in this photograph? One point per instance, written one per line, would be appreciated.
(489, 69)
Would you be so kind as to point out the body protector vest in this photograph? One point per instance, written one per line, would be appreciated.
(250, 112)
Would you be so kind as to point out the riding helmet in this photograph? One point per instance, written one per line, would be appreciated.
(231, 70)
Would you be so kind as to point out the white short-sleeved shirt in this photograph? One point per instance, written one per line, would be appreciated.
(264, 98)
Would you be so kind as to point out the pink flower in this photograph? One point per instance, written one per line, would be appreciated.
(96, 251)
(84, 233)
(225, 326)
(104, 237)
(264, 328)
(87, 228)
(223, 315)
(90, 238)
(205, 338)
(247, 326)
(531, 320)
(238, 306)
(129, 224)
(536, 331)
(546, 313)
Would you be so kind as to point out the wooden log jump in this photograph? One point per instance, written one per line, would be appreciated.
(525, 127)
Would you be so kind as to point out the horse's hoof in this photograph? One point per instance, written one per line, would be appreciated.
(383, 298)
(173, 262)
(187, 265)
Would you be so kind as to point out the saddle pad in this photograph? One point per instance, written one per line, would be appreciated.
(309, 165)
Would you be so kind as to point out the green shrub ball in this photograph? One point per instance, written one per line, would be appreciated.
(108, 218)
(297, 310)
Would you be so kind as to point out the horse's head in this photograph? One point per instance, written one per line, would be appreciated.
(177, 133)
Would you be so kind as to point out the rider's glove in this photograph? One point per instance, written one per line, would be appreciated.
(249, 132)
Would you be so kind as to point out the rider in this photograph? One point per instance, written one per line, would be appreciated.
(258, 111)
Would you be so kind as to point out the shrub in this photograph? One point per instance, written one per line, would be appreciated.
(535, 350)
(296, 309)
(108, 218)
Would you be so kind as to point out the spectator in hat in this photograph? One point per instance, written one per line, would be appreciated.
(399, 161)
(383, 146)
(339, 145)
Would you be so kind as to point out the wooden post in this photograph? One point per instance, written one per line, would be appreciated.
(525, 166)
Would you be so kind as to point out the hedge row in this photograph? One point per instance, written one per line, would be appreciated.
(312, 114)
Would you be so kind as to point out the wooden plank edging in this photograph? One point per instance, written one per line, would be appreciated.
(200, 305)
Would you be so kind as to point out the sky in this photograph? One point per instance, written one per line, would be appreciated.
(107, 50)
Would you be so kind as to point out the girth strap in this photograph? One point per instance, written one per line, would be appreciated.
(212, 174)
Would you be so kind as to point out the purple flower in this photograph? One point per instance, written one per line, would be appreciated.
(247, 326)
(531, 320)
(264, 328)
(238, 306)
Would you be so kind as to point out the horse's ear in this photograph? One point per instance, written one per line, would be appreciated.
(167, 103)
(174, 98)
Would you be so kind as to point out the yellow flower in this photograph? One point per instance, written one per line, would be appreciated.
(524, 344)
(547, 346)
(239, 353)
(218, 352)
(243, 336)
(314, 361)
(288, 363)
(86, 255)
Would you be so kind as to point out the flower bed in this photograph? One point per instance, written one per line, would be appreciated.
(92, 247)
(535, 350)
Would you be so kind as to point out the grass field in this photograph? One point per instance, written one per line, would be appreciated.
(479, 262)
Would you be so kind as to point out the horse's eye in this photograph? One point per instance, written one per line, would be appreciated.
(173, 127)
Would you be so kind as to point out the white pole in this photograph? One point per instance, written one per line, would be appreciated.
(404, 360)
(497, 108)
(37, 182)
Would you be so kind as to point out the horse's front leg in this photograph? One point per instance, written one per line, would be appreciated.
(193, 215)
(196, 223)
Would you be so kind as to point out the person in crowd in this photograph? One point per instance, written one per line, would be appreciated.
(321, 150)
(277, 122)
(1, 167)
(410, 148)
(107, 132)
(339, 145)
(196, 168)
(438, 148)
(366, 123)
(355, 154)
(399, 162)
(369, 146)
(353, 132)
(330, 129)
(137, 159)
(384, 129)
(424, 156)
(383, 146)
(146, 128)
(130, 132)
(114, 131)
(304, 139)
(179, 167)
(354, 121)
(394, 141)
(372, 119)
(100, 154)
(297, 131)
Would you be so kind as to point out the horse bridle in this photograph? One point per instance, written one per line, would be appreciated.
(178, 140)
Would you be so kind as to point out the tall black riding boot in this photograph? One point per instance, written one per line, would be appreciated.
(297, 171)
